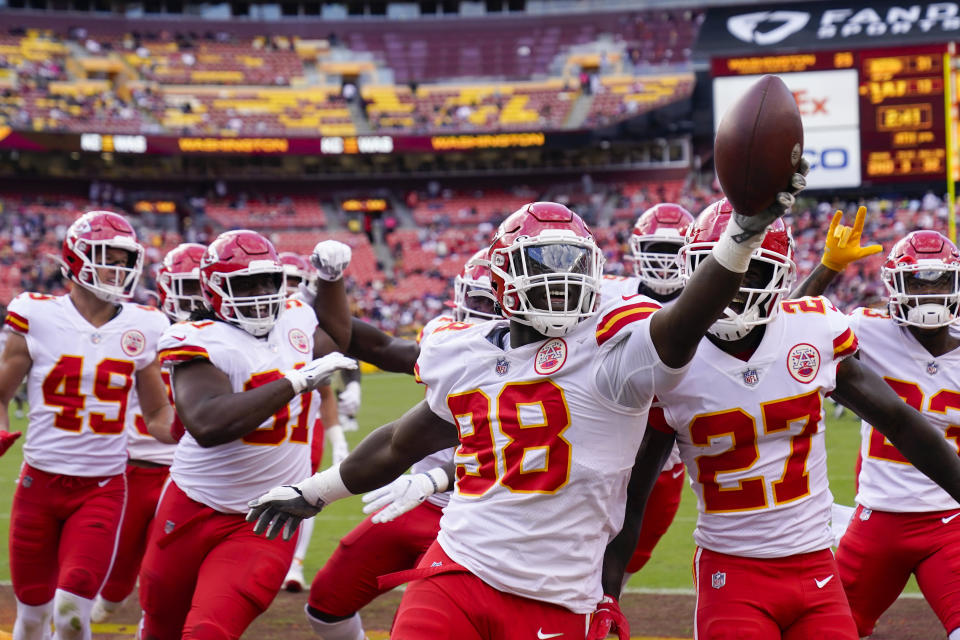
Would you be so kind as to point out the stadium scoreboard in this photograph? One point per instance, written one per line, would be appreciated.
(871, 116)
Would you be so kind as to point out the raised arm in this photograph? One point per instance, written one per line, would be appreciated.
(329, 301)
(369, 344)
(864, 392)
(380, 458)
(840, 248)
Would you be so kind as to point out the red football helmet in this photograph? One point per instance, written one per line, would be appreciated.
(473, 297)
(178, 281)
(922, 276)
(242, 280)
(767, 281)
(546, 268)
(657, 237)
(298, 269)
(85, 259)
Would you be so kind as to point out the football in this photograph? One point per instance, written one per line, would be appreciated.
(758, 145)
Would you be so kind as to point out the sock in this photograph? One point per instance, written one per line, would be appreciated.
(349, 629)
(33, 622)
(954, 635)
(71, 616)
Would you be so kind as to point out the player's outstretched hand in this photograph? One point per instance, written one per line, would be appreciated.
(7, 438)
(280, 509)
(403, 494)
(753, 225)
(608, 619)
(330, 258)
(316, 373)
(349, 399)
(842, 245)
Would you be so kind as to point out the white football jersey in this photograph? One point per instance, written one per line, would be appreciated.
(751, 434)
(888, 482)
(622, 287)
(81, 381)
(226, 476)
(544, 457)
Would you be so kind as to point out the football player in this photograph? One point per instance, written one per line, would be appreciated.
(749, 423)
(657, 236)
(405, 514)
(178, 285)
(241, 374)
(548, 410)
(903, 523)
(83, 352)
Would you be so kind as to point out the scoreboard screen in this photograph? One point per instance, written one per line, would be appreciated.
(898, 132)
(902, 123)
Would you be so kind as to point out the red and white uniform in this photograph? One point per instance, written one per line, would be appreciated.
(225, 476)
(75, 453)
(541, 486)
(612, 287)
(80, 382)
(905, 523)
(199, 528)
(755, 450)
(140, 444)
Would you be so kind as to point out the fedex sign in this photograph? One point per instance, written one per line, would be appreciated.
(829, 107)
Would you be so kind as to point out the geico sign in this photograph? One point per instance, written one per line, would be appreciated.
(109, 143)
(830, 159)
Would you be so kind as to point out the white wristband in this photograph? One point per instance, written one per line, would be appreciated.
(324, 487)
(732, 255)
(297, 379)
(439, 478)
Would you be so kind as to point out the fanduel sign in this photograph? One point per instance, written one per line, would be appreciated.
(828, 24)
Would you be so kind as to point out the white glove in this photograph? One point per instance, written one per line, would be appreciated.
(404, 494)
(330, 258)
(280, 508)
(349, 423)
(338, 443)
(349, 399)
(314, 374)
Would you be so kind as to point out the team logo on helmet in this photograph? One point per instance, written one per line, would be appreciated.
(551, 357)
(803, 362)
(133, 342)
(503, 366)
(751, 377)
(299, 340)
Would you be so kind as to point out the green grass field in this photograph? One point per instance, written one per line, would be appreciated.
(386, 396)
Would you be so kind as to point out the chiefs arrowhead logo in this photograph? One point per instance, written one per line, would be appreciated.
(745, 27)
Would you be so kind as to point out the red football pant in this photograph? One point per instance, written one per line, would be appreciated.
(63, 533)
(799, 597)
(461, 606)
(144, 486)
(661, 508)
(877, 556)
(348, 581)
(316, 445)
(205, 574)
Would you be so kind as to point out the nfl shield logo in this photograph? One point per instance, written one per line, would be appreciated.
(718, 579)
(168, 526)
(502, 366)
(751, 377)
(932, 368)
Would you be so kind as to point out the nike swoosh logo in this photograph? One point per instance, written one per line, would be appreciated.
(543, 636)
(822, 583)
(678, 473)
(947, 519)
(103, 483)
(179, 338)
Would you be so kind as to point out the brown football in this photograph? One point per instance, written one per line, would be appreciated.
(758, 146)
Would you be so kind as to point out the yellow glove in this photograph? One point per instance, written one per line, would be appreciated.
(843, 243)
